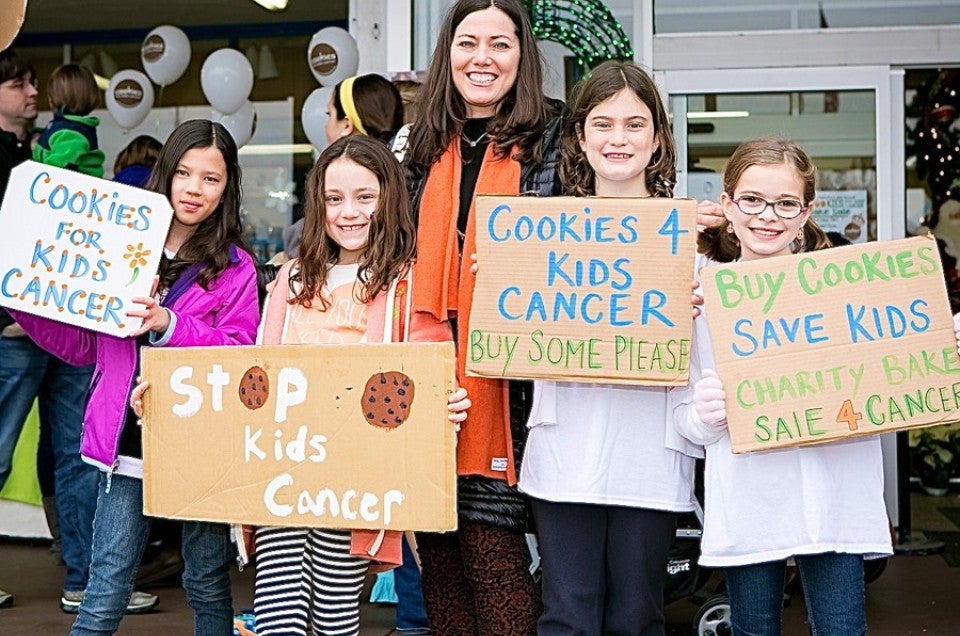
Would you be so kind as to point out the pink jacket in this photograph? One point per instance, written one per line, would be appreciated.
(226, 314)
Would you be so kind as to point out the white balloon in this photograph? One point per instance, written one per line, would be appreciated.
(165, 54)
(129, 98)
(241, 125)
(226, 78)
(313, 116)
(332, 55)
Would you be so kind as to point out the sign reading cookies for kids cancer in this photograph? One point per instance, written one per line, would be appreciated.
(825, 345)
(77, 249)
(329, 436)
(583, 289)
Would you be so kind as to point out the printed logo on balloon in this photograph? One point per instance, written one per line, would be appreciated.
(332, 56)
(165, 54)
(129, 98)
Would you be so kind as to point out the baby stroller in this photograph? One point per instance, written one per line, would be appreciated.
(687, 579)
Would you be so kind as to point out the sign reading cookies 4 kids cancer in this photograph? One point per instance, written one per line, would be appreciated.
(831, 344)
(583, 289)
(328, 436)
(77, 249)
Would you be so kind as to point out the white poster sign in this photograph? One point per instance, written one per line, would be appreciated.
(77, 249)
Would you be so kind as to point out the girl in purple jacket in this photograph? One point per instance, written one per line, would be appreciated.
(206, 296)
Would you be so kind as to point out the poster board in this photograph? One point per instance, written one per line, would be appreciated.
(844, 212)
(583, 289)
(77, 249)
(825, 345)
(301, 436)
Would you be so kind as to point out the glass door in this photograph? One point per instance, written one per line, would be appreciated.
(843, 116)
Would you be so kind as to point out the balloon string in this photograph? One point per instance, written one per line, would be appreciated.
(157, 110)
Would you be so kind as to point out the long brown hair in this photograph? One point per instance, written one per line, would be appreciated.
(608, 79)
(521, 115)
(391, 242)
(720, 243)
(210, 243)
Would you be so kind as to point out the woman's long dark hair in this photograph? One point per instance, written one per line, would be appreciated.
(521, 115)
(210, 243)
(391, 241)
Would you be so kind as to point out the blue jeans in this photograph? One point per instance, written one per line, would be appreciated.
(119, 536)
(411, 613)
(28, 372)
(833, 589)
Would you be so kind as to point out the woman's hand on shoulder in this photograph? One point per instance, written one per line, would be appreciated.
(709, 214)
(474, 267)
(457, 405)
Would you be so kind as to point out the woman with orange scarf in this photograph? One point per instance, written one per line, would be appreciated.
(484, 127)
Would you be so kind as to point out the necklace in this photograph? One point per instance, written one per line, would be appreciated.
(473, 142)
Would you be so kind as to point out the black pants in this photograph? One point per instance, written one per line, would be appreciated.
(604, 568)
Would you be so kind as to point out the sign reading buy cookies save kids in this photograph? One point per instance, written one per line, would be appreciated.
(77, 248)
(329, 436)
(831, 344)
(583, 289)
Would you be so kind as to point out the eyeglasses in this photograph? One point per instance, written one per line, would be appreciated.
(784, 208)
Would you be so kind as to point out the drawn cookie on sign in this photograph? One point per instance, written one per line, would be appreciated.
(254, 388)
(387, 399)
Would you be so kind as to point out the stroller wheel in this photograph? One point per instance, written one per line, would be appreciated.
(713, 617)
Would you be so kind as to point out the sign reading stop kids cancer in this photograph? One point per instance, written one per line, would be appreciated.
(77, 249)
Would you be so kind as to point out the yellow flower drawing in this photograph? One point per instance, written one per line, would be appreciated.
(137, 256)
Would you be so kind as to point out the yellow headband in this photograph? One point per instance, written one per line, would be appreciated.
(346, 100)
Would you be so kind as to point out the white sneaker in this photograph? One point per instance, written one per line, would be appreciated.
(6, 599)
(140, 602)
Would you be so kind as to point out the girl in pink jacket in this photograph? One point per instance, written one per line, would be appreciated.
(206, 296)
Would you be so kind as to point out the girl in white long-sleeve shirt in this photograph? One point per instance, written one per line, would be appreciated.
(821, 505)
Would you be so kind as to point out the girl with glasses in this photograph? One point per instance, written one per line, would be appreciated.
(822, 505)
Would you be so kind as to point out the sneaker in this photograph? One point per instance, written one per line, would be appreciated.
(6, 599)
(140, 602)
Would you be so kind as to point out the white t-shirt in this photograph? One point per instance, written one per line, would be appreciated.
(771, 505)
(604, 444)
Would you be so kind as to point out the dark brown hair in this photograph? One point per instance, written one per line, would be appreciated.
(72, 89)
(210, 243)
(720, 243)
(521, 115)
(391, 242)
(144, 150)
(378, 104)
(15, 66)
(609, 78)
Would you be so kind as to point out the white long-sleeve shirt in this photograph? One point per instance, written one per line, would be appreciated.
(606, 444)
(770, 505)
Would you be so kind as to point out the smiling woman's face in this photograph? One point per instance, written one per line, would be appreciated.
(484, 59)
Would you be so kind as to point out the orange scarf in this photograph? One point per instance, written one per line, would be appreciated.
(443, 288)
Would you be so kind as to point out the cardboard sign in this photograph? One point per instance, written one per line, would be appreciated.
(330, 436)
(832, 344)
(12, 13)
(583, 289)
(77, 249)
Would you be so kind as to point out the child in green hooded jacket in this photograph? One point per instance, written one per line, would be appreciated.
(70, 139)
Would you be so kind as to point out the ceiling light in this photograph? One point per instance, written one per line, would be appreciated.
(272, 5)
(717, 114)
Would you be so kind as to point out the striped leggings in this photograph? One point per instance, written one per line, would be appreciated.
(307, 583)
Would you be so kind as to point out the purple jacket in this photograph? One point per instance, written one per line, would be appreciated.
(227, 314)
